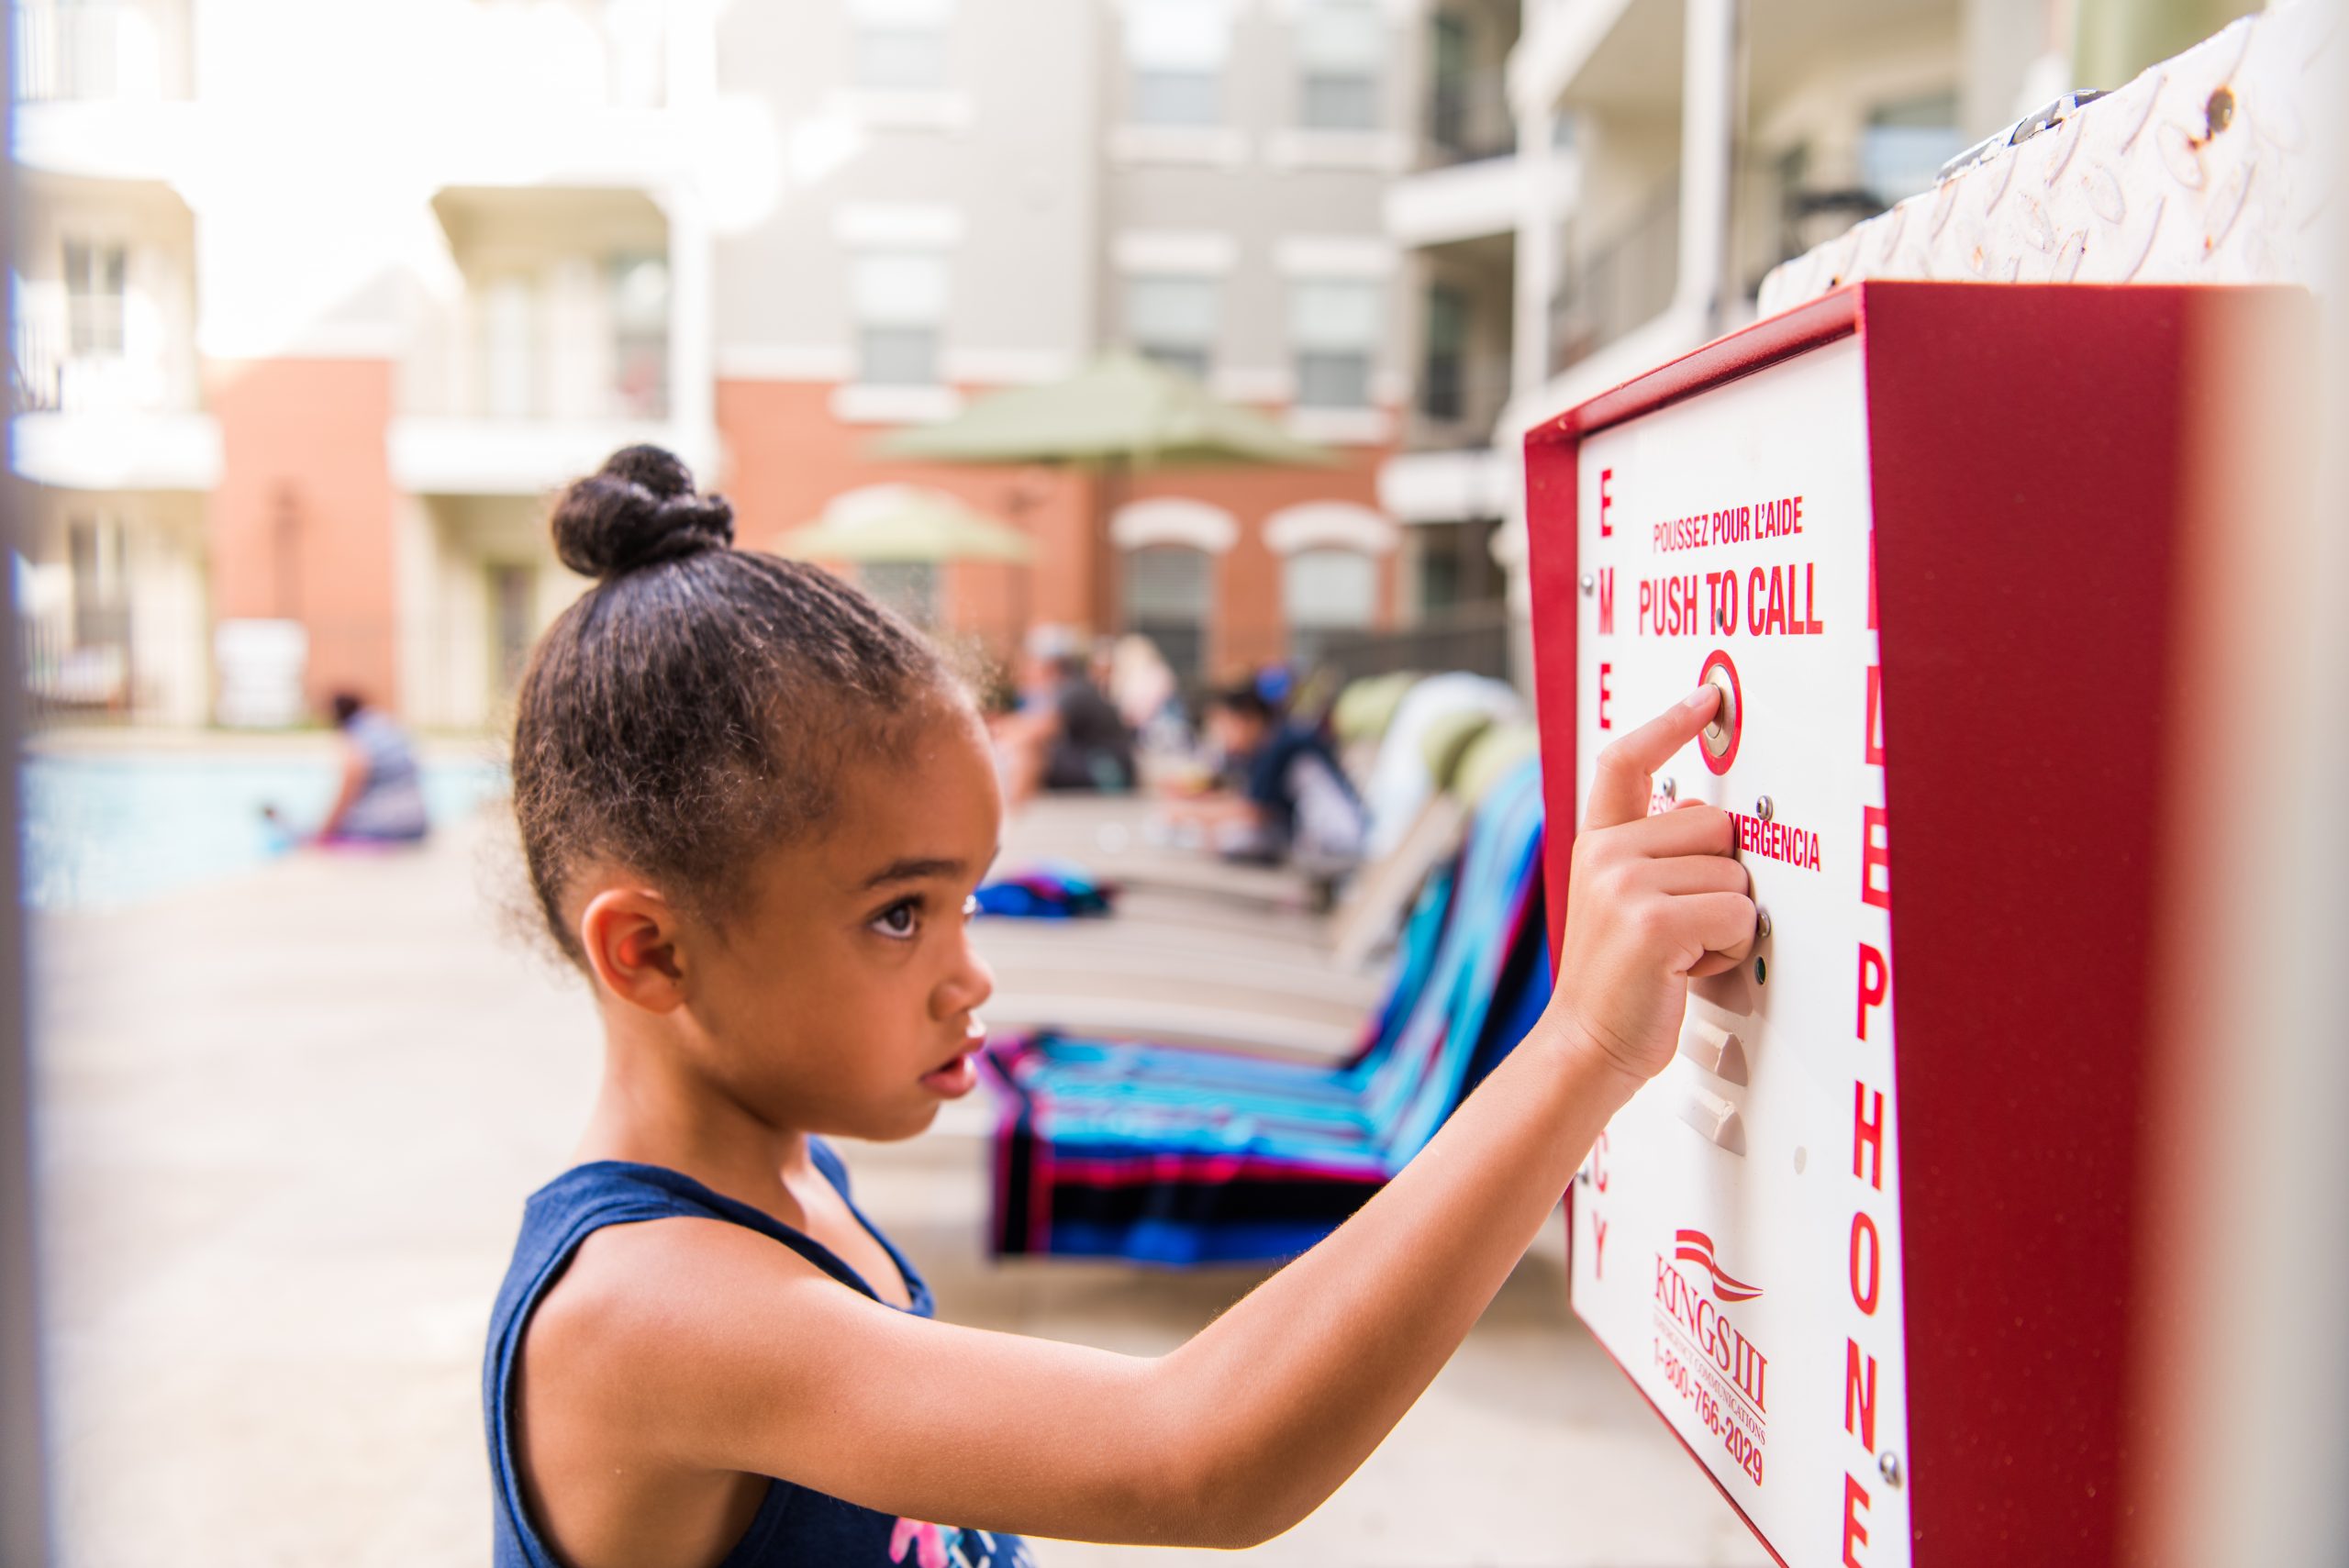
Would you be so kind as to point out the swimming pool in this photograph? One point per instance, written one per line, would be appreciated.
(105, 831)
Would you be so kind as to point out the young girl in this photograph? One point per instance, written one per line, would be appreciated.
(754, 806)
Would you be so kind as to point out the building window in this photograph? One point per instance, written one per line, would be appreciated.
(1905, 144)
(1325, 591)
(509, 334)
(899, 45)
(1337, 47)
(1168, 591)
(1441, 393)
(1448, 91)
(95, 555)
(1175, 55)
(513, 605)
(641, 335)
(899, 302)
(95, 278)
(1456, 567)
(908, 587)
(1172, 321)
(1333, 330)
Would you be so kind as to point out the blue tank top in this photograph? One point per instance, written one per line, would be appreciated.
(794, 1527)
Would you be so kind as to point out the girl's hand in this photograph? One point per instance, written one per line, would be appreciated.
(1650, 901)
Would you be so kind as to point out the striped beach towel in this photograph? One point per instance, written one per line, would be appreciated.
(1166, 1155)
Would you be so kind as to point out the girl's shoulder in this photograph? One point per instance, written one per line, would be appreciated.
(604, 1195)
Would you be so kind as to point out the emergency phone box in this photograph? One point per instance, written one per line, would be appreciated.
(1873, 1245)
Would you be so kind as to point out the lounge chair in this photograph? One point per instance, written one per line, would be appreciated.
(1170, 1156)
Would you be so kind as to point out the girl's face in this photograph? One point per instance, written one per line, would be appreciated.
(842, 998)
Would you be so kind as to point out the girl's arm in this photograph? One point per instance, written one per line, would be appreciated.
(744, 1358)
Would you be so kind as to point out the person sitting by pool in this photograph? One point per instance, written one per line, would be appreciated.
(1293, 804)
(382, 797)
(1067, 735)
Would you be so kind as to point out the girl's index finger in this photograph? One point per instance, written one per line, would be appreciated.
(1619, 792)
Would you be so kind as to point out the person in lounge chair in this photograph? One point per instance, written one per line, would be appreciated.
(1291, 804)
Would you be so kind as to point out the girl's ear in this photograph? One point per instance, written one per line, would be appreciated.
(629, 935)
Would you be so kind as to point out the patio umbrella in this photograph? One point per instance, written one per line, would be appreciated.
(1118, 413)
(1120, 409)
(906, 523)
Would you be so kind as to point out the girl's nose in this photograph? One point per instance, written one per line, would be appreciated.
(968, 987)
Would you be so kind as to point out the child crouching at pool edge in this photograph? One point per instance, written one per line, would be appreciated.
(754, 806)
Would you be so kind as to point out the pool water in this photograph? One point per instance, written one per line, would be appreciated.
(103, 832)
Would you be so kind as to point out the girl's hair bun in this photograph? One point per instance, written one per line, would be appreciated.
(638, 511)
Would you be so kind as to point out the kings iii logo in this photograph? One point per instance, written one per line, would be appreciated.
(1689, 1304)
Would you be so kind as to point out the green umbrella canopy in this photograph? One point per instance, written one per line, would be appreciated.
(905, 522)
(1120, 408)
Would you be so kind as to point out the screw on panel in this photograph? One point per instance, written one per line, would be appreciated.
(2217, 112)
(1889, 1465)
(1666, 788)
(1765, 808)
(1761, 925)
(1589, 584)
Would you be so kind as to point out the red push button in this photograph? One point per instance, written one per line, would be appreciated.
(1719, 739)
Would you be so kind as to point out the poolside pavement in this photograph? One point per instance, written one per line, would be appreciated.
(287, 1123)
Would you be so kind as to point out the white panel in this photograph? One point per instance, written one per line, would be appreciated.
(898, 289)
(784, 362)
(1714, 1229)
(1178, 34)
(117, 451)
(1329, 588)
(1166, 251)
(1211, 146)
(1334, 256)
(895, 404)
(1340, 34)
(1171, 310)
(1335, 315)
(908, 225)
(902, 13)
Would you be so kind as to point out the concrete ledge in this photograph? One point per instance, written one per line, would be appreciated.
(117, 452)
(436, 456)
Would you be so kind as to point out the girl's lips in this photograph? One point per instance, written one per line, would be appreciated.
(954, 1080)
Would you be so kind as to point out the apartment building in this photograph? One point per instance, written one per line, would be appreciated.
(1627, 172)
(316, 305)
(103, 371)
(1014, 188)
(1456, 216)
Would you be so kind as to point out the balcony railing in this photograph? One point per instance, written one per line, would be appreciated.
(1623, 283)
(82, 50)
(1468, 119)
(572, 380)
(1474, 638)
(1460, 400)
(47, 375)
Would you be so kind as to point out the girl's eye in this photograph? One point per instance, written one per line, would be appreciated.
(899, 921)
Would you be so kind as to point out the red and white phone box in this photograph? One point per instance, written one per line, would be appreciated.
(1872, 1245)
